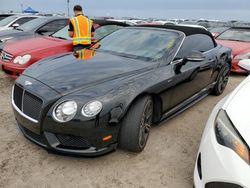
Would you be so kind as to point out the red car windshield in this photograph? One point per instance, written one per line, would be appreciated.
(236, 35)
(62, 33)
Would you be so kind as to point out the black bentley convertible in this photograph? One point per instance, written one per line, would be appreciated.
(92, 101)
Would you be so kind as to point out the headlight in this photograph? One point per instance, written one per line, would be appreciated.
(92, 108)
(228, 136)
(65, 111)
(22, 59)
(5, 39)
(243, 56)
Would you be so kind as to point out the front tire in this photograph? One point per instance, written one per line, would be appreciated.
(222, 80)
(136, 125)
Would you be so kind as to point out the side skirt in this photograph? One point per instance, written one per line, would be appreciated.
(187, 103)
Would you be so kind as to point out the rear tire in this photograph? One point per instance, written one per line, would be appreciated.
(222, 80)
(136, 125)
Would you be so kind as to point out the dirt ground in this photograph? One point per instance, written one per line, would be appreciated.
(167, 161)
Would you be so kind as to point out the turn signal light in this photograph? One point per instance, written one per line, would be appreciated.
(107, 138)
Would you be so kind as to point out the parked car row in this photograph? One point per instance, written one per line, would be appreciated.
(92, 101)
(16, 56)
(5, 15)
(39, 26)
(15, 21)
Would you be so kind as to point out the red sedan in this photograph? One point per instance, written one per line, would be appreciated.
(16, 56)
(238, 39)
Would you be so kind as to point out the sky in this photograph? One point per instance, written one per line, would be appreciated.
(192, 9)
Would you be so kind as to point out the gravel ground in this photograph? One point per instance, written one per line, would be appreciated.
(167, 161)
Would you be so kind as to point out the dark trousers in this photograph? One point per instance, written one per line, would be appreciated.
(80, 47)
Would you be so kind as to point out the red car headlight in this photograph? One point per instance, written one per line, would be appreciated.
(22, 59)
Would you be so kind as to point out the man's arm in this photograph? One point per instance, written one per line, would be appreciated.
(92, 31)
(71, 30)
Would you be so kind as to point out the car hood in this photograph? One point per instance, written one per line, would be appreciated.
(9, 32)
(12, 33)
(236, 46)
(237, 108)
(65, 73)
(35, 43)
(4, 28)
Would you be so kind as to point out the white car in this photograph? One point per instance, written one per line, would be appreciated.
(223, 157)
(15, 21)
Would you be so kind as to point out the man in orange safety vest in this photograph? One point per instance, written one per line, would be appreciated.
(81, 29)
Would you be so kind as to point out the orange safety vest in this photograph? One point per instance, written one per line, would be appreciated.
(84, 54)
(82, 30)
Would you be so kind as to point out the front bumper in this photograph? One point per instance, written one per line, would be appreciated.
(80, 136)
(10, 70)
(235, 67)
(50, 142)
(76, 141)
(218, 164)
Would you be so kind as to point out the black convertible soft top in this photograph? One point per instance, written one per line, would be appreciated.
(245, 28)
(188, 30)
(109, 22)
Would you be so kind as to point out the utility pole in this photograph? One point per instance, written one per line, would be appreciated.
(22, 7)
(68, 7)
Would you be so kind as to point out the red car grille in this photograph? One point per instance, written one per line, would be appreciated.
(5, 56)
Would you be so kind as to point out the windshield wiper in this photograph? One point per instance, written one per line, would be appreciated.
(235, 40)
(124, 55)
(58, 37)
(61, 38)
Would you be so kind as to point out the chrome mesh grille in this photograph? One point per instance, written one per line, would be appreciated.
(27, 103)
(70, 142)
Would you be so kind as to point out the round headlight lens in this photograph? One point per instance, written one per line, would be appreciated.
(65, 111)
(22, 59)
(16, 60)
(92, 108)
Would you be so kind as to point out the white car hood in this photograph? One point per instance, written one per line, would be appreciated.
(237, 107)
(4, 28)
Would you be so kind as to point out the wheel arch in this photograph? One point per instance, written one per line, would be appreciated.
(157, 105)
(228, 60)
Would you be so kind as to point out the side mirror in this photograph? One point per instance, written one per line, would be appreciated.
(194, 56)
(16, 25)
(245, 64)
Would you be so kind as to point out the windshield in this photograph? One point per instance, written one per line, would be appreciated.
(142, 43)
(217, 29)
(62, 33)
(104, 30)
(7, 20)
(236, 34)
(33, 24)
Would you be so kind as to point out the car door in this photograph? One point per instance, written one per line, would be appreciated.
(193, 76)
